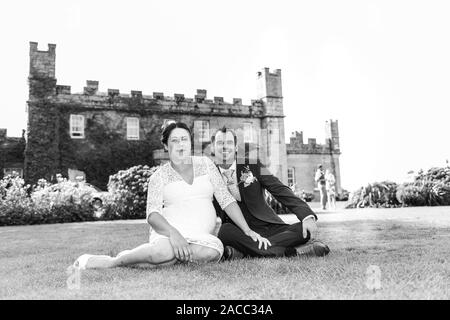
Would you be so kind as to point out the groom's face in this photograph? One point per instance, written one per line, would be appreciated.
(224, 147)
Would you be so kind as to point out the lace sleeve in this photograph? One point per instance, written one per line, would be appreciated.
(155, 193)
(223, 196)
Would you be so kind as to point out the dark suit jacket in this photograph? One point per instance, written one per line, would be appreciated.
(252, 196)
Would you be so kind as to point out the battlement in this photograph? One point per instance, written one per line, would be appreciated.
(269, 84)
(266, 72)
(331, 144)
(331, 129)
(92, 89)
(92, 98)
(42, 63)
(43, 85)
(6, 140)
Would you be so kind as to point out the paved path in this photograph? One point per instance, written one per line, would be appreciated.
(437, 216)
(432, 216)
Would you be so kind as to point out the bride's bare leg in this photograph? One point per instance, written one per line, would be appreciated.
(155, 254)
(203, 254)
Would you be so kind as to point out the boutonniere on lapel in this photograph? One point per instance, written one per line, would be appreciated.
(247, 177)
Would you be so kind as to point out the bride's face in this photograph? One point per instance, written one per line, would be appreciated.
(179, 145)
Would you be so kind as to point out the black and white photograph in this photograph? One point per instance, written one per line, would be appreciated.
(225, 151)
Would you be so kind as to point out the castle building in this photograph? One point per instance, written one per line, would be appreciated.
(98, 133)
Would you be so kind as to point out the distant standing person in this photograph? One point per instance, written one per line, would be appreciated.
(330, 184)
(321, 185)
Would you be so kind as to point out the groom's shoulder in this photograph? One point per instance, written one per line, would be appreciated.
(252, 163)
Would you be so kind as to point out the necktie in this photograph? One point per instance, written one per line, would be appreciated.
(231, 184)
(229, 176)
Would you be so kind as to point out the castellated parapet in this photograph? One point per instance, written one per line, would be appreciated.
(43, 85)
(330, 146)
(157, 102)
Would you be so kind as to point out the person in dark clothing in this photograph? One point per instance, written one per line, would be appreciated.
(246, 182)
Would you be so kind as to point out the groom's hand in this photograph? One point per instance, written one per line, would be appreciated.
(256, 237)
(309, 224)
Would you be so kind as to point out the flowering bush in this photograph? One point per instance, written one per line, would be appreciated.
(64, 201)
(128, 193)
(15, 205)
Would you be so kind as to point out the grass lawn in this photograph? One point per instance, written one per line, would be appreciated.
(413, 258)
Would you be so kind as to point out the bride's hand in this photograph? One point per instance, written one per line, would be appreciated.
(257, 237)
(180, 247)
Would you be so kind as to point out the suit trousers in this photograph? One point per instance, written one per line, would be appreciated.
(283, 237)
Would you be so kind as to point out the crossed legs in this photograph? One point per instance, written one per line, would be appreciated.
(280, 236)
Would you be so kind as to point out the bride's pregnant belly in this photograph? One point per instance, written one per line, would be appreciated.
(193, 216)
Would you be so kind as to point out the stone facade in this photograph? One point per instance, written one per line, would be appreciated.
(90, 131)
(11, 153)
(304, 158)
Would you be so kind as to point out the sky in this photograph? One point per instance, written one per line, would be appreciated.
(381, 68)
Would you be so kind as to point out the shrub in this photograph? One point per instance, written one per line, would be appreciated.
(435, 175)
(64, 201)
(410, 194)
(428, 189)
(424, 193)
(128, 193)
(377, 194)
(15, 205)
(343, 195)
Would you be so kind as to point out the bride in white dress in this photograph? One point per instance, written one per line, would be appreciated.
(180, 212)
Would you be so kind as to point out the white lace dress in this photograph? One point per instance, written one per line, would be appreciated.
(189, 207)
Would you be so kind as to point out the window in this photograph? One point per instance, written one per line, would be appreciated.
(291, 177)
(13, 171)
(76, 126)
(133, 128)
(201, 128)
(248, 132)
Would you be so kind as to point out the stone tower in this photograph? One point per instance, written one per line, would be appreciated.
(42, 81)
(272, 123)
(43, 121)
(332, 142)
(332, 133)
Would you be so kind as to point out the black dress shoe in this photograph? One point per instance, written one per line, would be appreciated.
(313, 248)
(230, 253)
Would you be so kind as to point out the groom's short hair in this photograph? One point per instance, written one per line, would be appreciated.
(224, 130)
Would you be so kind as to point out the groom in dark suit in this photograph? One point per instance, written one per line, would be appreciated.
(246, 182)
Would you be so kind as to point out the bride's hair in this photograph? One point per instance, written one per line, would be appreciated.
(169, 126)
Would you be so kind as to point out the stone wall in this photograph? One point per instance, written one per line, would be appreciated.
(305, 168)
(11, 151)
(105, 148)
